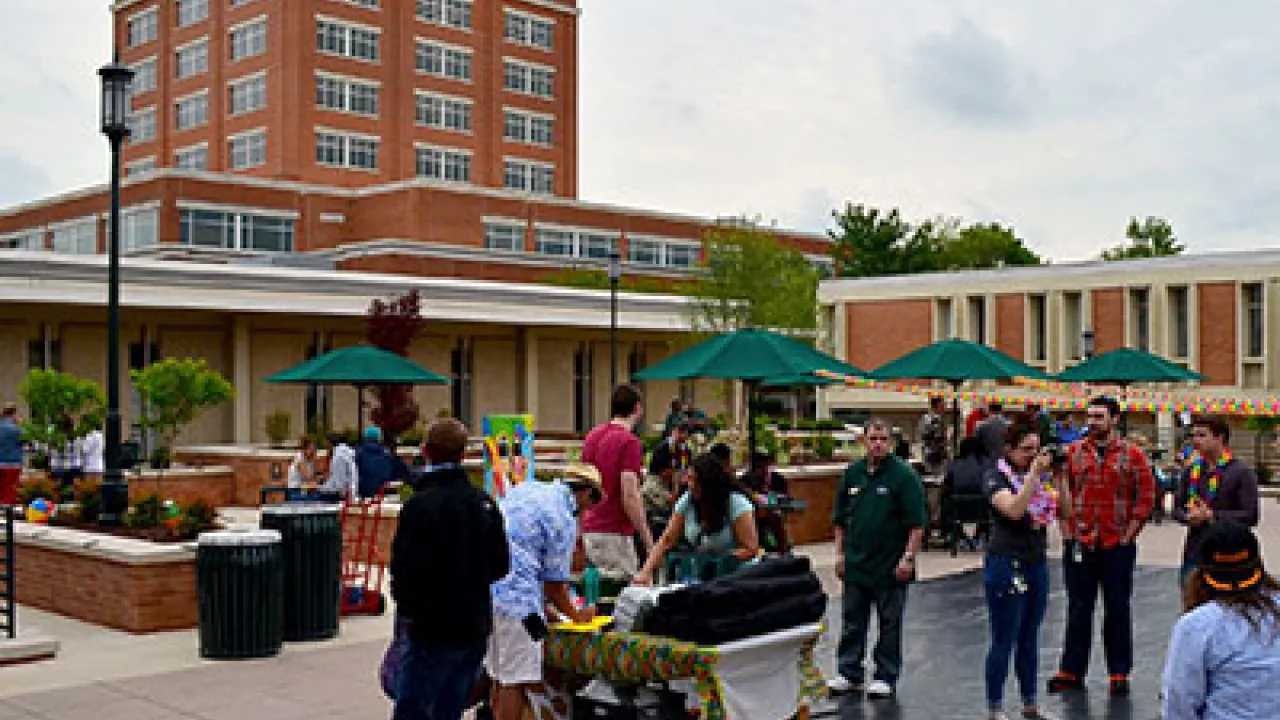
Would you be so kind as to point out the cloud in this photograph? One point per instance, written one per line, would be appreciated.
(966, 74)
(20, 178)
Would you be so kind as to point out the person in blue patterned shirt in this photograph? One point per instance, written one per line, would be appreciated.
(541, 521)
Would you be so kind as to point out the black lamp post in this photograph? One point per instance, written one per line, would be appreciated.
(615, 274)
(116, 79)
(1086, 338)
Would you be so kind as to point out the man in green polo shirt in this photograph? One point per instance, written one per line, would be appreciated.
(880, 515)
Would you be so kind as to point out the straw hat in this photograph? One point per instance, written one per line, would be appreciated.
(580, 475)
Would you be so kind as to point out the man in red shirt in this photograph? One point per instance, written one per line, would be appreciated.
(1108, 498)
(610, 527)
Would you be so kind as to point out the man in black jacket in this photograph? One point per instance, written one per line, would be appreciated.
(449, 548)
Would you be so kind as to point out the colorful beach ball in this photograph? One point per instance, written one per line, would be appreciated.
(39, 511)
(171, 514)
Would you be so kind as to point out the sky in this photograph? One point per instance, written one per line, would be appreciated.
(1059, 118)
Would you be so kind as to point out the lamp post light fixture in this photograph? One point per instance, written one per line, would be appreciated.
(615, 274)
(116, 79)
(1086, 338)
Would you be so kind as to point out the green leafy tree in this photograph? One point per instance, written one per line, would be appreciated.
(873, 243)
(752, 280)
(176, 391)
(985, 246)
(57, 400)
(1149, 238)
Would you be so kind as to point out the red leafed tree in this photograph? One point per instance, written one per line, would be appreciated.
(392, 325)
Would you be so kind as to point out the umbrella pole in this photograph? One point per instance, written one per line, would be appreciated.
(751, 424)
(360, 410)
(955, 419)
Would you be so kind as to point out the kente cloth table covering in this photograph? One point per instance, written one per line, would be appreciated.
(746, 679)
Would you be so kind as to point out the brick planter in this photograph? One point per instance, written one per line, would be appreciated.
(121, 583)
(215, 485)
(815, 484)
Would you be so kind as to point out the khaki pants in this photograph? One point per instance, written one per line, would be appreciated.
(613, 555)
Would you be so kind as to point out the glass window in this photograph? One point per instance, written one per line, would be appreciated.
(144, 77)
(1255, 323)
(140, 167)
(1180, 319)
(528, 127)
(266, 234)
(504, 236)
(235, 231)
(443, 113)
(596, 246)
(645, 252)
(451, 13)
(192, 158)
(337, 38)
(144, 27)
(193, 59)
(531, 30)
(248, 150)
(24, 240)
(683, 256)
(78, 238)
(550, 241)
(142, 126)
(249, 95)
(442, 60)
(249, 40)
(192, 112)
(191, 12)
(443, 164)
(349, 151)
(139, 228)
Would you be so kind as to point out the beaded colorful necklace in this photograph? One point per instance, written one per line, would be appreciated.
(1215, 476)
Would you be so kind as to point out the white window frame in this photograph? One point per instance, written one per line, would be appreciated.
(200, 62)
(446, 156)
(456, 14)
(529, 169)
(248, 136)
(146, 68)
(251, 35)
(349, 30)
(241, 220)
(525, 83)
(515, 243)
(450, 112)
(693, 247)
(191, 12)
(141, 166)
(241, 85)
(461, 59)
(142, 118)
(521, 31)
(346, 139)
(525, 120)
(131, 219)
(29, 239)
(180, 153)
(80, 243)
(345, 87)
(183, 104)
(579, 239)
(147, 23)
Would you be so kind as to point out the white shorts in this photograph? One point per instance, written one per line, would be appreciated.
(513, 658)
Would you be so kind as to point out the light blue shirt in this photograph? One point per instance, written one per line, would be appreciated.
(541, 532)
(722, 541)
(1220, 668)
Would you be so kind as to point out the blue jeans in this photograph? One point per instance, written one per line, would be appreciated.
(435, 682)
(1016, 615)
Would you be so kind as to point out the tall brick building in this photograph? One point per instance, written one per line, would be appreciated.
(1215, 313)
(292, 159)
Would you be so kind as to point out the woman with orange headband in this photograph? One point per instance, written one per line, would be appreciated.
(1224, 658)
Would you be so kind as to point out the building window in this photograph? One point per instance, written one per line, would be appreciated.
(526, 127)
(238, 3)
(344, 95)
(582, 365)
(24, 240)
(529, 176)
(79, 237)
(532, 30)
(683, 255)
(944, 319)
(249, 39)
(142, 126)
(45, 351)
(192, 158)
(139, 227)
(144, 76)
(553, 241)
(193, 59)
(1251, 297)
(248, 150)
(353, 41)
(228, 230)
(978, 320)
(440, 163)
(450, 13)
(1140, 318)
(596, 246)
(644, 251)
(144, 27)
(191, 12)
(356, 152)
(371, 4)
(1073, 324)
(529, 79)
(247, 95)
(192, 111)
(504, 235)
(442, 60)
(1180, 321)
(461, 365)
(140, 167)
(1038, 308)
(443, 112)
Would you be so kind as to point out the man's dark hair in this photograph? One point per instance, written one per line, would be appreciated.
(624, 401)
(995, 407)
(936, 400)
(446, 441)
(721, 452)
(1104, 401)
(1214, 424)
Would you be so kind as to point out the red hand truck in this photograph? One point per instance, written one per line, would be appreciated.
(364, 565)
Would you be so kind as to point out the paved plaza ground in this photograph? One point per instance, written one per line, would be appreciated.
(105, 675)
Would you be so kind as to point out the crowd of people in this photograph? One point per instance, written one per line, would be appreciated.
(79, 457)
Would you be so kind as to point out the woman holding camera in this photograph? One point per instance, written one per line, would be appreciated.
(1016, 573)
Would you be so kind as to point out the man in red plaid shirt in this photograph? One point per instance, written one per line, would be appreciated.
(1109, 495)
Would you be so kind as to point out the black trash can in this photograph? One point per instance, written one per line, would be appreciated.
(311, 541)
(239, 591)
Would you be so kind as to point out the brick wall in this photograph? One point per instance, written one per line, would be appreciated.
(218, 488)
(813, 524)
(1219, 325)
(880, 330)
(134, 598)
(1010, 313)
(1108, 319)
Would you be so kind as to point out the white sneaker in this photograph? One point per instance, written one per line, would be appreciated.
(879, 689)
(841, 685)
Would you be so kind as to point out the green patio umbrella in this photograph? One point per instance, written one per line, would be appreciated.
(1125, 366)
(752, 355)
(359, 365)
(955, 361)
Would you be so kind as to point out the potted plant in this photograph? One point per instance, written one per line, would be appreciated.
(62, 407)
(174, 393)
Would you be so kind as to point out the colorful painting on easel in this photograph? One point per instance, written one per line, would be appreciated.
(508, 452)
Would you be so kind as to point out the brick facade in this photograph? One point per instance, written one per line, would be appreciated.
(1010, 329)
(1219, 326)
(879, 331)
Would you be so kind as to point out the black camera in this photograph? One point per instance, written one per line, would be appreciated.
(1058, 455)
